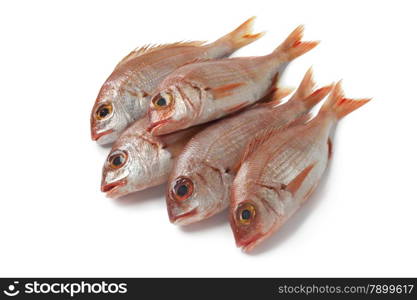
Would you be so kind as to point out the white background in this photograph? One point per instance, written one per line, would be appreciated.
(54, 221)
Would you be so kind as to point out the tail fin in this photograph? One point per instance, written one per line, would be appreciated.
(305, 93)
(241, 36)
(306, 86)
(293, 47)
(339, 105)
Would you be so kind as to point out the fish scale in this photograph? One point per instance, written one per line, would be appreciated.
(124, 97)
(209, 161)
(288, 164)
(289, 161)
(225, 86)
(148, 159)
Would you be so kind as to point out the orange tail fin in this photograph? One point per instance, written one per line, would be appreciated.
(241, 36)
(339, 105)
(305, 93)
(293, 47)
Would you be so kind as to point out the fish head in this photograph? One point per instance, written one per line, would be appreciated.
(196, 191)
(173, 108)
(254, 212)
(115, 108)
(136, 162)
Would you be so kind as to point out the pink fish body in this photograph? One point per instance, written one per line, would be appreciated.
(204, 91)
(139, 160)
(280, 170)
(124, 97)
(200, 183)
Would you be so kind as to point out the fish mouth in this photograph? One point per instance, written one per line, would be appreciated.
(153, 127)
(111, 188)
(183, 219)
(248, 246)
(95, 136)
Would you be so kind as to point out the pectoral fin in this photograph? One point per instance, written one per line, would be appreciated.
(296, 183)
(152, 48)
(225, 90)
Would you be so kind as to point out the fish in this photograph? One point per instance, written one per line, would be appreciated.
(125, 95)
(200, 183)
(139, 160)
(280, 170)
(208, 90)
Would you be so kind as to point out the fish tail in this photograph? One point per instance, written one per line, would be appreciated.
(239, 37)
(305, 93)
(340, 106)
(293, 47)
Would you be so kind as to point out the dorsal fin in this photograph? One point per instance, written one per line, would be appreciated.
(154, 47)
(197, 60)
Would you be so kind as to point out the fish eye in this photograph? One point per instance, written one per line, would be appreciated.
(246, 213)
(103, 111)
(183, 189)
(117, 160)
(162, 101)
